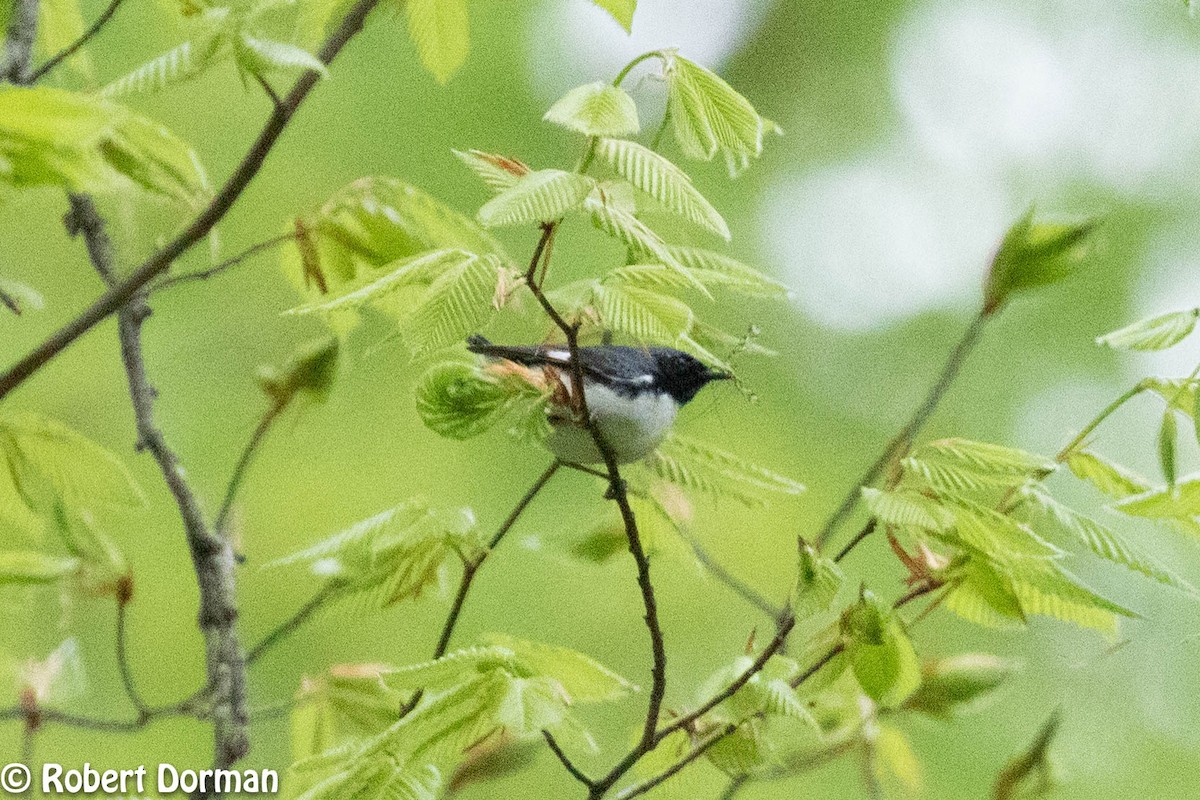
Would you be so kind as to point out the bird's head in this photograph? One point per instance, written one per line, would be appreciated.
(681, 375)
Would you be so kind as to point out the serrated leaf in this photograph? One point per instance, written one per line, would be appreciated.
(84, 143)
(647, 316)
(1034, 255)
(1109, 477)
(908, 509)
(596, 109)
(662, 180)
(984, 596)
(456, 401)
(702, 467)
(881, 654)
(1049, 589)
(1179, 502)
(984, 458)
(498, 172)
(998, 535)
(441, 32)
(261, 56)
(621, 10)
(30, 567)
(957, 684)
(1155, 333)
(543, 196)
(1103, 541)
(457, 303)
(179, 64)
(347, 704)
(817, 584)
(44, 455)
(708, 116)
(584, 679)
(631, 231)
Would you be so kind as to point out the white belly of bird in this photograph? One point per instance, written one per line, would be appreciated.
(631, 426)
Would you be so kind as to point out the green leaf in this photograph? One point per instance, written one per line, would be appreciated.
(393, 555)
(1034, 255)
(1110, 478)
(543, 196)
(103, 572)
(440, 30)
(1181, 501)
(984, 596)
(881, 654)
(29, 567)
(374, 224)
(1103, 541)
(609, 217)
(695, 465)
(621, 11)
(817, 584)
(347, 704)
(998, 535)
(708, 116)
(647, 316)
(44, 455)
(84, 143)
(907, 509)
(498, 172)
(957, 684)
(596, 109)
(1179, 394)
(712, 270)
(455, 400)
(584, 679)
(188, 60)
(662, 180)
(262, 56)
(768, 692)
(984, 459)
(1167, 436)
(1155, 333)
(893, 760)
(1077, 605)
(457, 303)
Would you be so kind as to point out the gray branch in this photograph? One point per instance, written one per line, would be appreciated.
(212, 556)
(18, 45)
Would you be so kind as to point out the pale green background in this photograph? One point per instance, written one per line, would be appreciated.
(915, 131)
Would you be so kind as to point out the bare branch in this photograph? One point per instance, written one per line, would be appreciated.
(229, 263)
(212, 557)
(243, 465)
(127, 681)
(902, 440)
(124, 291)
(575, 771)
(290, 625)
(74, 46)
(696, 752)
(733, 582)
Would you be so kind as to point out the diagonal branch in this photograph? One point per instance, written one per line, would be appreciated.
(901, 441)
(212, 557)
(125, 290)
(74, 46)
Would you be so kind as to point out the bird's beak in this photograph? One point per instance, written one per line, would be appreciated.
(719, 375)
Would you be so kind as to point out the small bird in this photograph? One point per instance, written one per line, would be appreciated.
(632, 394)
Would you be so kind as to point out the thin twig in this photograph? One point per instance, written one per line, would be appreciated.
(204, 274)
(733, 582)
(126, 673)
(695, 753)
(212, 558)
(122, 292)
(734, 787)
(863, 532)
(290, 625)
(243, 465)
(686, 721)
(471, 568)
(73, 47)
(902, 440)
(575, 771)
